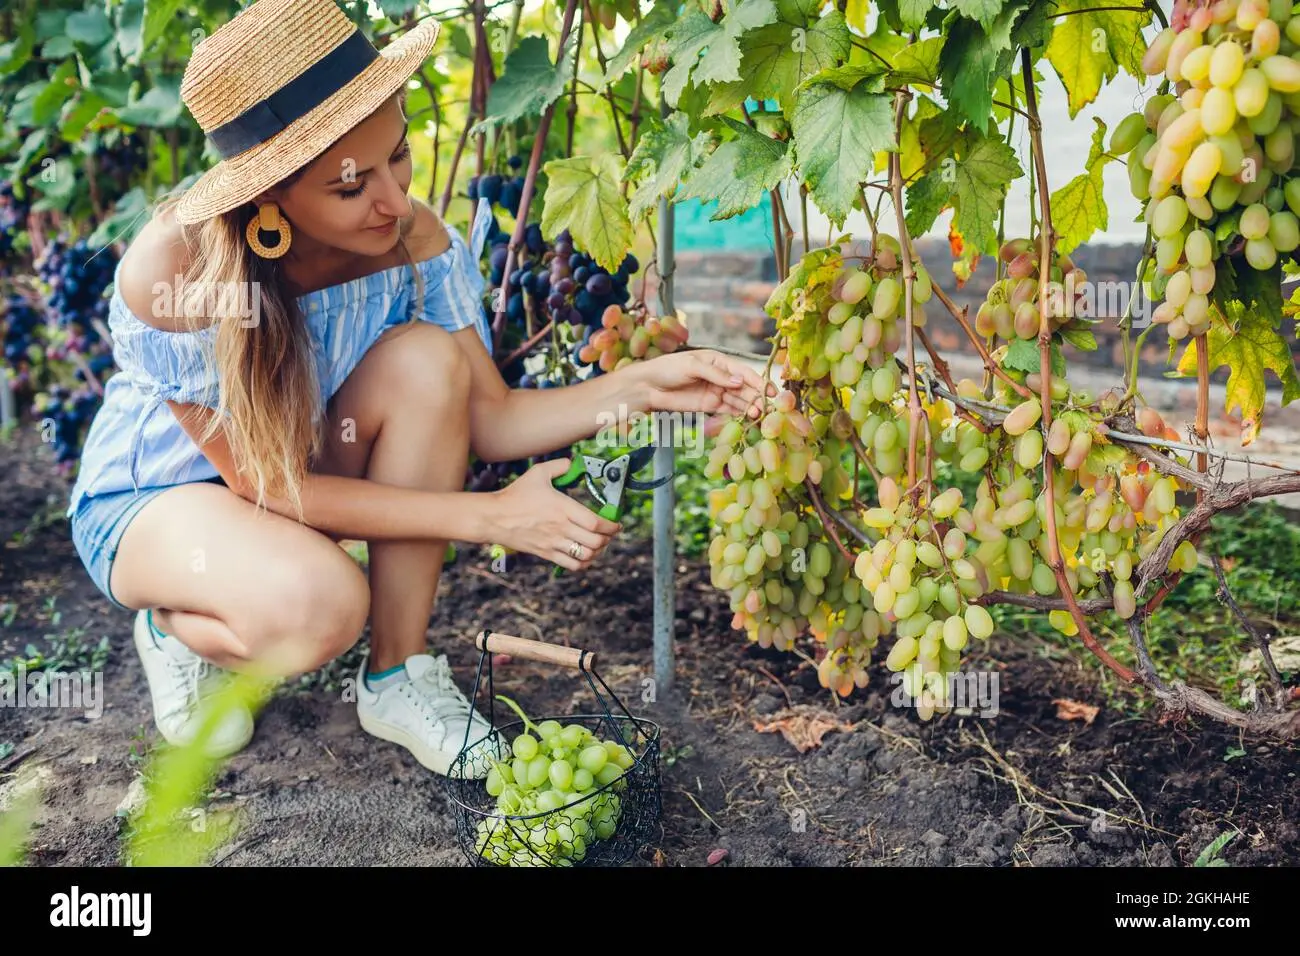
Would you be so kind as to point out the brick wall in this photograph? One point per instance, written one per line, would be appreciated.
(723, 293)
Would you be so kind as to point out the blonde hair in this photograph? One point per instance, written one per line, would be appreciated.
(267, 388)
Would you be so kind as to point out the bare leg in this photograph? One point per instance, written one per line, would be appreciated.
(415, 386)
(237, 586)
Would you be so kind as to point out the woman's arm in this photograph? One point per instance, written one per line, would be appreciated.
(510, 424)
(356, 508)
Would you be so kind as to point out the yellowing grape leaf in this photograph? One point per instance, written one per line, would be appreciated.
(1103, 456)
(1079, 207)
(1079, 53)
(1247, 343)
(582, 195)
(855, 14)
(1088, 48)
(798, 292)
(797, 302)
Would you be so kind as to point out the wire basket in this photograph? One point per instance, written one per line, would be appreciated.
(605, 825)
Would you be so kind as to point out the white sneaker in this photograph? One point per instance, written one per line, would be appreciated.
(179, 682)
(428, 715)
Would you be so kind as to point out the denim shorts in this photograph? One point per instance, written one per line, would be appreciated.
(98, 525)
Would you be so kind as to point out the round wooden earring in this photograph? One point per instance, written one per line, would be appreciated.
(268, 219)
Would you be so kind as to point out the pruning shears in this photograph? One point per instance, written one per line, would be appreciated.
(607, 479)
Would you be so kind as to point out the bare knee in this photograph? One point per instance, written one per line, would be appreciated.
(315, 610)
(429, 367)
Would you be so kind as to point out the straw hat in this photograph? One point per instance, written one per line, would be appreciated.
(278, 85)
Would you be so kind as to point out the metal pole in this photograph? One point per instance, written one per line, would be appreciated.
(665, 588)
(7, 412)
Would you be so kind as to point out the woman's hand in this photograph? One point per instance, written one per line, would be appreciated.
(531, 515)
(702, 380)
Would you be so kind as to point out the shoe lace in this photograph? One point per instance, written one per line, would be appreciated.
(190, 674)
(442, 703)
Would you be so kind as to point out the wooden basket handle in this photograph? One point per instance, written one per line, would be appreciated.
(540, 651)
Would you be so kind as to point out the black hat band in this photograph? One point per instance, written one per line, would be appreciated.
(296, 98)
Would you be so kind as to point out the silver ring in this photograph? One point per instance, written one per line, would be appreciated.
(575, 551)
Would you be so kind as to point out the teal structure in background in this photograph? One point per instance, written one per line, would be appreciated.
(751, 231)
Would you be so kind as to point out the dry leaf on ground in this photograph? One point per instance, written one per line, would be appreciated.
(803, 726)
(1067, 709)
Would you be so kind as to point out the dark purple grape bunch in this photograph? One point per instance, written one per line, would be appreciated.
(77, 277)
(503, 191)
(20, 326)
(70, 412)
(120, 162)
(489, 476)
(13, 218)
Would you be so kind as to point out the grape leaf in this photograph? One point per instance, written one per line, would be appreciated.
(855, 14)
(1258, 291)
(1034, 28)
(92, 28)
(1079, 207)
(1022, 355)
(973, 56)
(529, 84)
(1080, 335)
(836, 135)
(939, 133)
(918, 63)
(721, 62)
(665, 154)
(1088, 48)
(1075, 57)
(582, 195)
(913, 156)
(1104, 455)
(985, 11)
(779, 56)
(15, 54)
(159, 107)
(1123, 30)
(739, 172)
(890, 16)
(912, 12)
(982, 176)
(1248, 343)
(925, 199)
(687, 38)
(651, 27)
(797, 302)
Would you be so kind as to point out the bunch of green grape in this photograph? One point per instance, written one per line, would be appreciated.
(767, 553)
(555, 771)
(1010, 310)
(912, 566)
(1215, 163)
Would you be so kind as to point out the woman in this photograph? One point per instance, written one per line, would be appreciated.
(318, 342)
